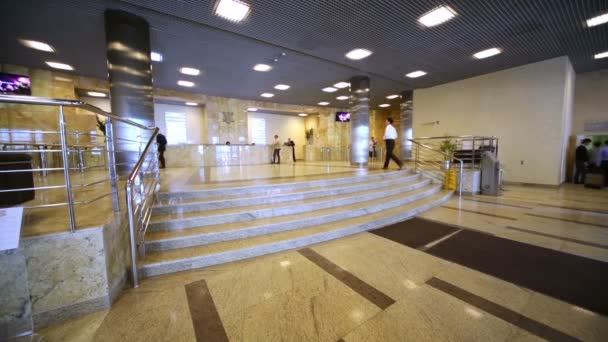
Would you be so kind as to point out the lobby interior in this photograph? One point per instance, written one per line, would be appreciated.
(479, 235)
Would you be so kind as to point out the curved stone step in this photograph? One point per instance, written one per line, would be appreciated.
(212, 234)
(162, 262)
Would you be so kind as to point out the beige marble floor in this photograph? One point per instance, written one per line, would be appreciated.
(287, 297)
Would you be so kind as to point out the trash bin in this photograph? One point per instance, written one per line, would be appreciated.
(16, 180)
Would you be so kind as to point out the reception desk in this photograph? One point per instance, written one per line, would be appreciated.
(222, 155)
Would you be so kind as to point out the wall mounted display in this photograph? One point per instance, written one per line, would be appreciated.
(11, 84)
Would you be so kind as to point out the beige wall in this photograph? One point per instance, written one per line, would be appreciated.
(590, 101)
(195, 123)
(522, 106)
(285, 127)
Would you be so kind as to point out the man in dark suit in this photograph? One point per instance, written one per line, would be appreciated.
(161, 141)
(581, 160)
(292, 144)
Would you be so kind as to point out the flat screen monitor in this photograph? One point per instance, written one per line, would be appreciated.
(15, 84)
(343, 116)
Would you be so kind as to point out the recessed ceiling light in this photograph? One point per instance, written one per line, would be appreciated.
(189, 71)
(384, 105)
(437, 16)
(329, 89)
(343, 97)
(96, 94)
(266, 95)
(281, 87)
(416, 74)
(156, 57)
(191, 104)
(185, 83)
(487, 53)
(233, 10)
(601, 55)
(33, 44)
(62, 66)
(252, 109)
(599, 20)
(358, 54)
(394, 96)
(262, 67)
(323, 103)
(302, 114)
(341, 85)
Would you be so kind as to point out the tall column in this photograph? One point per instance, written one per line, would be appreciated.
(130, 76)
(407, 118)
(359, 119)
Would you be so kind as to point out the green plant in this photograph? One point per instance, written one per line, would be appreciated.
(448, 147)
(309, 134)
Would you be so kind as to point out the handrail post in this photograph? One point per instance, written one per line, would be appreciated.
(460, 181)
(473, 155)
(66, 169)
(112, 164)
(132, 233)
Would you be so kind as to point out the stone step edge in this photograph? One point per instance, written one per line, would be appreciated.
(293, 224)
(280, 197)
(199, 221)
(178, 265)
(299, 184)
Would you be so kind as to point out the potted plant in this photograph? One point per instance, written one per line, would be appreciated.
(448, 147)
(309, 136)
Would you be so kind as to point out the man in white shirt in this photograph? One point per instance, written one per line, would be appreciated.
(276, 147)
(390, 134)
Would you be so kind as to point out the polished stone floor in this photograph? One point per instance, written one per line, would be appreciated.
(367, 287)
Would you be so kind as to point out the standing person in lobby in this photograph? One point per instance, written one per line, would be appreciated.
(276, 146)
(390, 135)
(293, 148)
(372, 147)
(581, 160)
(161, 141)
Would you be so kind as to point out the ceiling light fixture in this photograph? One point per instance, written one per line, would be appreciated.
(233, 10)
(329, 89)
(598, 20)
(189, 71)
(601, 55)
(341, 85)
(191, 104)
(96, 94)
(358, 54)
(437, 16)
(323, 103)
(394, 96)
(156, 56)
(185, 83)
(281, 87)
(61, 66)
(416, 74)
(384, 105)
(302, 114)
(266, 95)
(36, 45)
(252, 109)
(343, 97)
(487, 53)
(262, 67)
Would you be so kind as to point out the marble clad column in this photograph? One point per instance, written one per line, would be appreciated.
(407, 121)
(359, 120)
(130, 76)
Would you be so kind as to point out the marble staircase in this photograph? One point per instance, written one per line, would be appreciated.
(192, 229)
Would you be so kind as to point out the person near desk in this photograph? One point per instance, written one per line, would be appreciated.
(390, 135)
(293, 148)
(276, 146)
(161, 141)
(595, 159)
(581, 160)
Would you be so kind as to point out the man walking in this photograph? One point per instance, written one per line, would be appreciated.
(161, 141)
(276, 146)
(582, 157)
(390, 134)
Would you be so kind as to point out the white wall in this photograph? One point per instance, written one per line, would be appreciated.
(284, 126)
(590, 100)
(194, 120)
(522, 106)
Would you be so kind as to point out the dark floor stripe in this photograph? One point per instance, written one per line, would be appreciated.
(587, 243)
(206, 320)
(415, 233)
(480, 213)
(372, 294)
(570, 278)
(596, 211)
(568, 220)
(534, 327)
(497, 203)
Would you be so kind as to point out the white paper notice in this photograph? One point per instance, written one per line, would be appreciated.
(10, 227)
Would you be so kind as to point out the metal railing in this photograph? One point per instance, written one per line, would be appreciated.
(469, 148)
(49, 154)
(435, 164)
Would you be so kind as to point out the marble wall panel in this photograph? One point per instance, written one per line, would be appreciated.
(117, 252)
(15, 305)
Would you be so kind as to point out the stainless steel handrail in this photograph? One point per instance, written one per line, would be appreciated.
(445, 156)
(457, 137)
